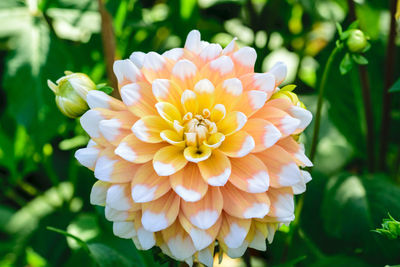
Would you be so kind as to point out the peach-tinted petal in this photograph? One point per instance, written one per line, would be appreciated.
(116, 128)
(118, 215)
(229, 93)
(188, 184)
(139, 98)
(282, 202)
(111, 168)
(183, 73)
(119, 197)
(168, 112)
(126, 72)
(178, 241)
(279, 70)
(201, 238)
(87, 156)
(167, 91)
(205, 212)
(134, 150)
(205, 93)
(264, 82)
(148, 129)
(147, 186)
(238, 145)
(160, 213)
(169, 160)
(251, 101)
(99, 193)
(249, 174)
(296, 150)
(233, 230)
(99, 99)
(281, 119)
(244, 60)
(282, 168)
(189, 102)
(233, 122)
(264, 133)
(243, 205)
(173, 138)
(156, 66)
(216, 169)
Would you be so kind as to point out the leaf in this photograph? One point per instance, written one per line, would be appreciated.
(66, 234)
(353, 206)
(359, 59)
(340, 260)
(105, 256)
(395, 87)
(346, 64)
(105, 88)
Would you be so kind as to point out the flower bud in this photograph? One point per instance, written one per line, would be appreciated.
(71, 91)
(292, 97)
(357, 41)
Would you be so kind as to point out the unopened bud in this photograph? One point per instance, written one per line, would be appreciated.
(292, 97)
(71, 91)
(357, 41)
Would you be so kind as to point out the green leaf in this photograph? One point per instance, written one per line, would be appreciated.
(105, 88)
(395, 87)
(340, 260)
(353, 206)
(108, 257)
(359, 59)
(354, 25)
(346, 64)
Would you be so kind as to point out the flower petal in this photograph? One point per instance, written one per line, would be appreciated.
(249, 174)
(147, 186)
(111, 168)
(160, 213)
(264, 82)
(264, 133)
(87, 156)
(139, 98)
(201, 238)
(282, 202)
(134, 150)
(187, 185)
(238, 145)
(216, 169)
(126, 72)
(148, 129)
(244, 60)
(168, 112)
(205, 212)
(119, 197)
(279, 70)
(169, 160)
(233, 122)
(251, 101)
(99, 99)
(167, 91)
(117, 127)
(296, 150)
(178, 241)
(99, 193)
(282, 169)
(243, 205)
(281, 119)
(233, 230)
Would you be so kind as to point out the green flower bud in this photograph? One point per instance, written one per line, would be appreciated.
(71, 91)
(357, 41)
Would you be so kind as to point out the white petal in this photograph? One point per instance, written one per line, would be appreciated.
(174, 54)
(301, 114)
(258, 242)
(98, 193)
(201, 239)
(246, 56)
(279, 70)
(289, 124)
(259, 182)
(153, 61)
(90, 122)
(265, 81)
(130, 94)
(258, 210)
(289, 174)
(233, 86)
(181, 248)
(116, 198)
(236, 236)
(205, 257)
(97, 99)
(222, 64)
(147, 239)
(272, 135)
(104, 168)
(142, 193)
(193, 41)
(184, 68)
(154, 222)
(137, 58)
(160, 88)
(126, 70)
(211, 51)
(204, 219)
(125, 151)
(257, 98)
(110, 129)
(87, 156)
(230, 47)
(284, 206)
(238, 252)
(124, 229)
(204, 86)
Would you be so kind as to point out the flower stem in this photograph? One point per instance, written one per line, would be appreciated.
(389, 63)
(320, 101)
(108, 40)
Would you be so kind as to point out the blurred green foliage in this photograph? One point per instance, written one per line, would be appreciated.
(42, 185)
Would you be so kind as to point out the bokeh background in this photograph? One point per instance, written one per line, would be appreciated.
(355, 183)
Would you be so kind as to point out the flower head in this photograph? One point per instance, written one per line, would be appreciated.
(198, 150)
(71, 91)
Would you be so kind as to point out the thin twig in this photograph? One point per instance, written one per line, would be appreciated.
(328, 65)
(389, 63)
(108, 40)
(366, 94)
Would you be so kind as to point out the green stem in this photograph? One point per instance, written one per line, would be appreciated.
(320, 101)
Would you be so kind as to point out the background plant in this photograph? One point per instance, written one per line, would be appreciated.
(357, 160)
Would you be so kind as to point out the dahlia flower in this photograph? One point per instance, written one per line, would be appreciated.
(198, 153)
